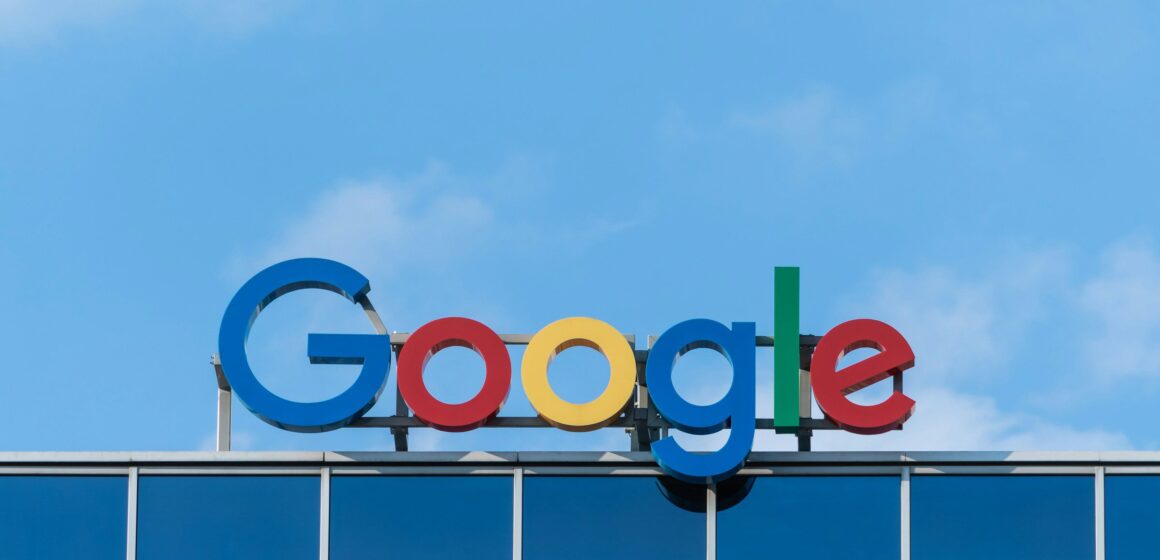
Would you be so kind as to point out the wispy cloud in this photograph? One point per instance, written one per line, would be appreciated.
(815, 126)
(963, 325)
(946, 419)
(27, 21)
(1124, 300)
(239, 441)
(381, 225)
(968, 327)
(235, 17)
(828, 126)
(32, 22)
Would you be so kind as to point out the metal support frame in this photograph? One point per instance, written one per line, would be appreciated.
(401, 409)
(805, 394)
(224, 405)
(640, 420)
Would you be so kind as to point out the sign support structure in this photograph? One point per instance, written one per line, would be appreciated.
(640, 420)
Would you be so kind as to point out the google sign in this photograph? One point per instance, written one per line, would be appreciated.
(735, 411)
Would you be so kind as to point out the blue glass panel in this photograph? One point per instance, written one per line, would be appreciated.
(583, 518)
(1002, 517)
(855, 517)
(409, 517)
(49, 517)
(1131, 516)
(225, 517)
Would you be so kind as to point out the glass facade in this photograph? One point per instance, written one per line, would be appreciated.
(420, 517)
(574, 517)
(864, 510)
(227, 517)
(834, 517)
(1002, 517)
(1132, 513)
(58, 517)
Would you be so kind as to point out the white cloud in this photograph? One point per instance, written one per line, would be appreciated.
(25, 22)
(1124, 299)
(378, 226)
(239, 441)
(815, 126)
(826, 126)
(946, 420)
(235, 16)
(964, 326)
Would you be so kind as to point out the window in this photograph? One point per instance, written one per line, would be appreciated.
(1131, 516)
(607, 517)
(408, 517)
(855, 517)
(1002, 517)
(51, 517)
(225, 517)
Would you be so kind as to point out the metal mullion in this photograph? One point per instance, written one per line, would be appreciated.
(1100, 534)
(711, 522)
(518, 513)
(904, 508)
(324, 515)
(131, 520)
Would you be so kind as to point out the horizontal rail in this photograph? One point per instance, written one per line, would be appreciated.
(523, 339)
(624, 421)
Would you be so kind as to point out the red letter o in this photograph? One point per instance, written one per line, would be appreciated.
(445, 333)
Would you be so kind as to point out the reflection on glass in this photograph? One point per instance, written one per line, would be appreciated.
(584, 518)
(410, 517)
(227, 517)
(1131, 516)
(1002, 517)
(855, 517)
(51, 517)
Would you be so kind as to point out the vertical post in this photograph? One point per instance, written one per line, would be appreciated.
(711, 522)
(401, 409)
(224, 405)
(223, 419)
(518, 513)
(805, 401)
(639, 436)
(324, 516)
(1100, 535)
(803, 439)
(905, 517)
(131, 521)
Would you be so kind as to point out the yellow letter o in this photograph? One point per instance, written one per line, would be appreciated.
(562, 335)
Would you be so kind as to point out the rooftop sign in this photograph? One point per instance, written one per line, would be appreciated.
(736, 342)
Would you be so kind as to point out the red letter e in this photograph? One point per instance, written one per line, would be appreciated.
(831, 386)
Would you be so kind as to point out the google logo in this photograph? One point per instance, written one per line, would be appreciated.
(735, 411)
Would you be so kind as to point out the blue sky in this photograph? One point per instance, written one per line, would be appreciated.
(982, 176)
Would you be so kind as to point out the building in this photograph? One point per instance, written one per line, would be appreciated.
(559, 506)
